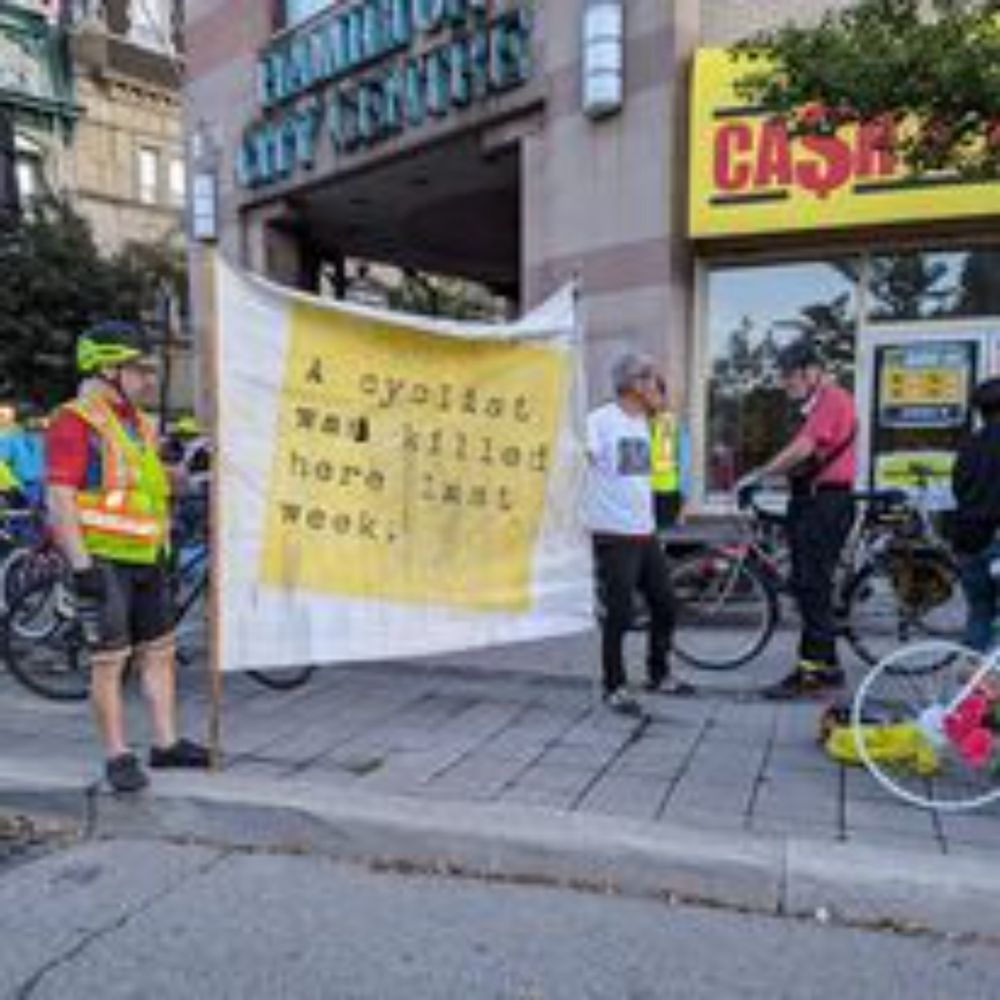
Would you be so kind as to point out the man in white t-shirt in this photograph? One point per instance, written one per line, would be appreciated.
(619, 513)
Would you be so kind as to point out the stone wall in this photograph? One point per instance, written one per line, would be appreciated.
(119, 118)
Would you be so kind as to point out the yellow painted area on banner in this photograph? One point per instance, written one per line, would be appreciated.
(748, 176)
(410, 466)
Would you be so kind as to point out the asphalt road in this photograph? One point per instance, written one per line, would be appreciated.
(130, 919)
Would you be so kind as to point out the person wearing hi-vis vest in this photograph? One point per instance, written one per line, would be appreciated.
(669, 458)
(9, 483)
(109, 506)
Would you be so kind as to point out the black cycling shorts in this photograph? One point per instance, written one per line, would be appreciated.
(137, 608)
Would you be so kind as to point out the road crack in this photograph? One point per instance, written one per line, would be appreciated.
(27, 989)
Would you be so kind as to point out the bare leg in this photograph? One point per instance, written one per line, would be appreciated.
(107, 702)
(156, 660)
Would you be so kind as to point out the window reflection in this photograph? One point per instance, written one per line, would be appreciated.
(752, 313)
(297, 11)
(935, 284)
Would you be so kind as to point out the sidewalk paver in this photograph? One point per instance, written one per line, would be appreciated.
(503, 731)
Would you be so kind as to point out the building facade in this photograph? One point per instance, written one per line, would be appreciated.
(523, 144)
(128, 153)
(92, 97)
(37, 106)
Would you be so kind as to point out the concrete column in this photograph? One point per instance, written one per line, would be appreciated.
(599, 198)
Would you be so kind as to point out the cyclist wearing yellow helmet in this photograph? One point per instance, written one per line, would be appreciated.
(109, 499)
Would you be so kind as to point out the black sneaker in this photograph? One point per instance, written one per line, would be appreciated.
(805, 684)
(183, 753)
(125, 773)
(672, 686)
(622, 702)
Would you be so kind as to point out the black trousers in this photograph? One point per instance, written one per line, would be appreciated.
(666, 509)
(818, 526)
(625, 565)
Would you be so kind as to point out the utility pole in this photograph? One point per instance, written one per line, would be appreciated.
(165, 322)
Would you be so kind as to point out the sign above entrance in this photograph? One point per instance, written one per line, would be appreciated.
(366, 71)
(748, 175)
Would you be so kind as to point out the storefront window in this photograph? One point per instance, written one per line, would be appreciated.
(934, 284)
(752, 312)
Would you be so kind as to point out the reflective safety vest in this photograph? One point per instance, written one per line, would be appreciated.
(8, 481)
(665, 444)
(127, 518)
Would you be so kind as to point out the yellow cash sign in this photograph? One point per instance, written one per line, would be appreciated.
(749, 175)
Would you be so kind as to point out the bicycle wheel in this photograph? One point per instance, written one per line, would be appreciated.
(918, 688)
(40, 572)
(282, 680)
(55, 665)
(725, 611)
(11, 572)
(881, 613)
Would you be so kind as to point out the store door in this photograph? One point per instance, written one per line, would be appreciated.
(917, 394)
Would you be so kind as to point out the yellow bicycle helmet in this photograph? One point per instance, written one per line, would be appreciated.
(187, 426)
(108, 344)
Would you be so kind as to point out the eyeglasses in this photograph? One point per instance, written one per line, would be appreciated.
(146, 369)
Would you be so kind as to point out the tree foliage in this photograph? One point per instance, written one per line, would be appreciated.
(54, 282)
(928, 68)
(439, 296)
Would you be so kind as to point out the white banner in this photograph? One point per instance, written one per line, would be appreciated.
(394, 486)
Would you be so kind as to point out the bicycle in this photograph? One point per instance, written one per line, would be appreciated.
(21, 530)
(890, 581)
(906, 586)
(926, 725)
(29, 559)
(56, 663)
(190, 582)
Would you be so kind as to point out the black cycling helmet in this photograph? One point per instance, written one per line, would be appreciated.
(108, 344)
(798, 355)
(986, 398)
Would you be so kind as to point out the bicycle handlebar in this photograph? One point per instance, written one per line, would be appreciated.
(878, 502)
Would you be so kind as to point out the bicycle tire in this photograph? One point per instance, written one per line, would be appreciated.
(56, 666)
(735, 591)
(282, 680)
(910, 686)
(876, 621)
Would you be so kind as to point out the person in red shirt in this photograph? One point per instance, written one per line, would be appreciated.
(108, 498)
(820, 462)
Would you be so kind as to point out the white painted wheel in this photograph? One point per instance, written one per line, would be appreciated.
(919, 685)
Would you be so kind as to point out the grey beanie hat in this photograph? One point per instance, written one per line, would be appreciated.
(629, 369)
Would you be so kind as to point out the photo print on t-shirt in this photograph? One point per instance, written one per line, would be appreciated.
(633, 457)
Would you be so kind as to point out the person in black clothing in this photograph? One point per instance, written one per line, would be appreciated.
(975, 524)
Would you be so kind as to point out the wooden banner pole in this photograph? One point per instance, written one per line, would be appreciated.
(212, 348)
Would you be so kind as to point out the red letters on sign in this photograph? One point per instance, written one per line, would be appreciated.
(774, 157)
(761, 156)
(732, 174)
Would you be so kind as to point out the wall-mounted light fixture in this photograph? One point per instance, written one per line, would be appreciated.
(603, 57)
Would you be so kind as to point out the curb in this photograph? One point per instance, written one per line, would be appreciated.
(914, 890)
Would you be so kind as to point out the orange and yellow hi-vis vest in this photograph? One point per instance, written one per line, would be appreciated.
(127, 518)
